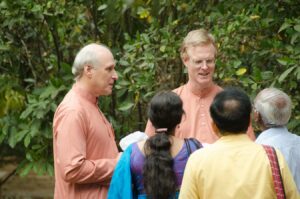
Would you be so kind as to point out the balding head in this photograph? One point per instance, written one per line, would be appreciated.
(274, 106)
(231, 110)
(88, 55)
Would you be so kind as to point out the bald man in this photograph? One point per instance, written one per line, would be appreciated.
(85, 152)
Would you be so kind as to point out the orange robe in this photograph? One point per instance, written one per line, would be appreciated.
(84, 146)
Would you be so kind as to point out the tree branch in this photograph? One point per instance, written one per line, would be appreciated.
(54, 34)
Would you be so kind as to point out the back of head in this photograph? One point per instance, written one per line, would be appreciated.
(231, 111)
(88, 55)
(165, 112)
(274, 106)
(194, 38)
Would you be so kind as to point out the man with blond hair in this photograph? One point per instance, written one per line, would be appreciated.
(198, 53)
(85, 152)
(272, 111)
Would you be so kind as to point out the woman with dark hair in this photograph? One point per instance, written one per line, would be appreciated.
(154, 168)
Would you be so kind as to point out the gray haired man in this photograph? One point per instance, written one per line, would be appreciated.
(272, 111)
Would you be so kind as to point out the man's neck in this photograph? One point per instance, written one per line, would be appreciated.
(83, 85)
(200, 90)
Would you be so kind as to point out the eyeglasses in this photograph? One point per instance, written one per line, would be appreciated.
(202, 62)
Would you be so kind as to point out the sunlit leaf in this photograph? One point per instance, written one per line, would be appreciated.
(162, 48)
(126, 106)
(241, 71)
(102, 7)
(284, 26)
(253, 17)
(297, 28)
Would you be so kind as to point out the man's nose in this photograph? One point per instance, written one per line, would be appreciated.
(204, 65)
(115, 75)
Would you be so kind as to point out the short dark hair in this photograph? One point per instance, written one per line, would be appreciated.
(231, 111)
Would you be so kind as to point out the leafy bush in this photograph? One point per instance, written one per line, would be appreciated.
(258, 41)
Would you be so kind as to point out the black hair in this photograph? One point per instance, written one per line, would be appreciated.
(231, 111)
(165, 112)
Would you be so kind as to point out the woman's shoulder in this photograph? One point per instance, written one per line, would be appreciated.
(138, 147)
(194, 143)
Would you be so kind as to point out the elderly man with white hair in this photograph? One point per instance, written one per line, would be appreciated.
(85, 152)
(272, 111)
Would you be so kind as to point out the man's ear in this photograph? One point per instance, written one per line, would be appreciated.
(87, 70)
(256, 116)
(259, 121)
(185, 60)
(215, 129)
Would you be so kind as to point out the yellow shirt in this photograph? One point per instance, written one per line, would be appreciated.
(233, 167)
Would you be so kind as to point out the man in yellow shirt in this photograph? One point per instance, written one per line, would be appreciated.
(233, 167)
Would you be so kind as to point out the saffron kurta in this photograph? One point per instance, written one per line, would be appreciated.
(196, 122)
(84, 146)
(234, 167)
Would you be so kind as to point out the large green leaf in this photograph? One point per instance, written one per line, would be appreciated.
(284, 26)
(297, 27)
(285, 74)
(126, 106)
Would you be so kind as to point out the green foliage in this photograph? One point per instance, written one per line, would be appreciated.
(258, 41)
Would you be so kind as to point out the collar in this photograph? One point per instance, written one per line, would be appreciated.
(234, 138)
(84, 94)
(201, 92)
(273, 131)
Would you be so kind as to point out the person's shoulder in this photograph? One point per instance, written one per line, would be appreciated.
(295, 141)
(284, 139)
(217, 88)
(280, 156)
(72, 107)
(205, 151)
(179, 89)
(70, 100)
(138, 147)
(260, 139)
(195, 143)
(200, 155)
(297, 137)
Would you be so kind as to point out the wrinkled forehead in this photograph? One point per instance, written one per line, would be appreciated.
(207, 50)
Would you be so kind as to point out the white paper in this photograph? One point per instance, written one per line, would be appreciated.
(131, 138)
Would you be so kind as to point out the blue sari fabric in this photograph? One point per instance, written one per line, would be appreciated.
(127, 175)
(121, 183)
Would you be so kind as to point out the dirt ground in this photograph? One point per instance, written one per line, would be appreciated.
(30, 187)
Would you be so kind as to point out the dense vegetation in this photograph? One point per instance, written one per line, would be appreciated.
(259, 46)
